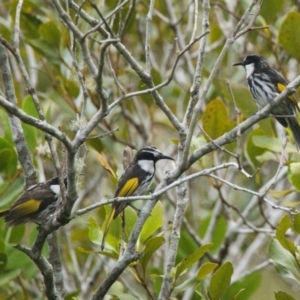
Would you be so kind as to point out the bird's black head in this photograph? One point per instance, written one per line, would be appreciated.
(258, 63)
(150, 153)
(54, 181)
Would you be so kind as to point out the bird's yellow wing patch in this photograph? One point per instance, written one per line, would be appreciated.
(27, 207)
(129, 187)
(281, 88)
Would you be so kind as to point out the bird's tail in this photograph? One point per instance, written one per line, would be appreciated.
(107, 226)
(295, 127)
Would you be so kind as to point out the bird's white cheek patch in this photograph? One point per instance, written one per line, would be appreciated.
(55, 189)
(249, 69)
(147, 165)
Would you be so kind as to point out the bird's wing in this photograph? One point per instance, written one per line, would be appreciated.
(129, 187)
(281, 83)
(32, 201)
(26, 208)
(129, 181)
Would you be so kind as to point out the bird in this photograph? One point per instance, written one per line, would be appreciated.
(135, 181)
(35, 204)
(265, 84)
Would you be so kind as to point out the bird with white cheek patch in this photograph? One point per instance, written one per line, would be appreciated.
(135, 181)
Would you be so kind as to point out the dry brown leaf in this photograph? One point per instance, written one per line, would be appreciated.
(103, 162)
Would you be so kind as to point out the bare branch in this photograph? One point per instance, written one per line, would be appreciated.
(24, 155)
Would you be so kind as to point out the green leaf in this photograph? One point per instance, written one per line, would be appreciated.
(282, 228)
(244, 288)
(130, 220)
(252, 151)
(9, 276)
(4, 123)
(16, 234)
(95, 232)
(243, 98)
(191, 259)
(50, 34)
(117, 290)
(205, 269)
(30, 23)
(288, 34)
(153, 223)
(273, 144)
(3, 262)
(72, 87)
(294, 174)
(279, 194)
(105, 253)
(220, 281)
(286, 263)
(283, 296)
(219, 233)
(45, 50)
(18, 260)
(150, 247)
(296, 222)
(215, 118)
(270, 10)
(9, 158)
(10, 191)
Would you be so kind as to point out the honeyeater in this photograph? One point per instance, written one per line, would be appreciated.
(35, 204)
(265, 84)
(135, 181)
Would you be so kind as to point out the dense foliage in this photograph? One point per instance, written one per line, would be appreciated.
(91, 79)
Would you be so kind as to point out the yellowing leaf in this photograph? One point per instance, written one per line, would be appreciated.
(296, 222)
(279, 194)
(205, 269)
(103, 162)
(215, 118)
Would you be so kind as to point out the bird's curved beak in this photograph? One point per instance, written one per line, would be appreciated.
(166, 157)
(240, 63)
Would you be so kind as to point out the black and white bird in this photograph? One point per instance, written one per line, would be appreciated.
(135, 181)
(265, 84)
(35, 204)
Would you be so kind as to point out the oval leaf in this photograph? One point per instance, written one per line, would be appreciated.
(220, 281)
(153, 223)
(205, 269)
(50, 34)
(282, 228)
(191, 259)
(151, 246)
(288, 34)
(296, 223)
(294, 174)
(95, 233)
(283, 296)
(103, 162)
(215, 118)
(285, 259)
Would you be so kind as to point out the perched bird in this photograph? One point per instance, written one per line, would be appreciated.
(135, 181)
(265, 84)
(35, 204)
